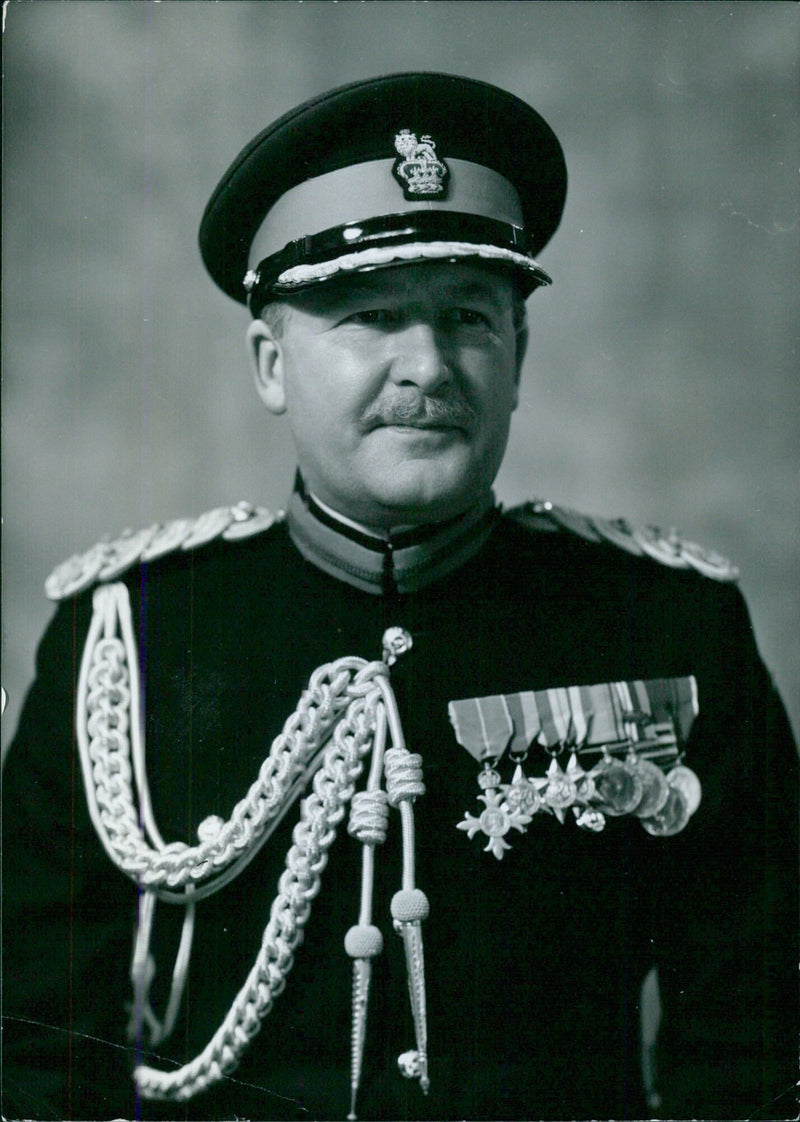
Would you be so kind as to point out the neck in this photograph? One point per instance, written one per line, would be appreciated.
(400, 559)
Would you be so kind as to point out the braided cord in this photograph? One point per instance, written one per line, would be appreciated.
(345, 705)
(107, 689)
(322, 812)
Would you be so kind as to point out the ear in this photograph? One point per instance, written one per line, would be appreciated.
(266, 360)
(522, 347)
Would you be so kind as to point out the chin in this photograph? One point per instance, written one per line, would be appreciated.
(427, 504)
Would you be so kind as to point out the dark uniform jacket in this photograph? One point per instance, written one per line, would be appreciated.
(534, 963)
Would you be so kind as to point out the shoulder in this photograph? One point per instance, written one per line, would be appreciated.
(648, 542)
(111, 558)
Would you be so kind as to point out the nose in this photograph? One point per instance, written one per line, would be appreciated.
(420, 358)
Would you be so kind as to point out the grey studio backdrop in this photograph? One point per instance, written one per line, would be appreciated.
(661, 382)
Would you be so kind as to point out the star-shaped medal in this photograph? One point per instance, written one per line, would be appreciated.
(584, 784)
(521, 794)
(557, 789)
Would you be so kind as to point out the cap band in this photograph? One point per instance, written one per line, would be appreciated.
(366, 190)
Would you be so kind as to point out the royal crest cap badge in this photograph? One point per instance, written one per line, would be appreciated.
(418, 170)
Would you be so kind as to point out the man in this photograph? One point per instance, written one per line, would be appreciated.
(601, 780)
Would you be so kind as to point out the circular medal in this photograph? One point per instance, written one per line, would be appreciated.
(672, 817)
(619, 788)
(655, 788)
(685, 780)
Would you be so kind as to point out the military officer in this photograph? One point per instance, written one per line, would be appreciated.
(385, 807)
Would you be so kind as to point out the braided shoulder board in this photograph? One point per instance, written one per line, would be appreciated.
(666, 547)
(109, 558)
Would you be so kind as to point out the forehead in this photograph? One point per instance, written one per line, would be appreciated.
(427, 282)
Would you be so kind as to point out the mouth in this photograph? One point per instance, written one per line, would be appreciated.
(423, 430)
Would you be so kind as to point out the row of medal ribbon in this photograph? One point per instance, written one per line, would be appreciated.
(629, 725)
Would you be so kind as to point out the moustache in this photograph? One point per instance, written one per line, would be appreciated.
(420, 410)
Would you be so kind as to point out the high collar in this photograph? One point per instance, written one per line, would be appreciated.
(402, 561)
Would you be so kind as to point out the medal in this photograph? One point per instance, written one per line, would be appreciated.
(618, 787)
(637, 728)
(521, 794)
(655, 787)
(685, 780)
(585, 789)
(557, 790)
(484, 727)
(672, 817)
(498, 817)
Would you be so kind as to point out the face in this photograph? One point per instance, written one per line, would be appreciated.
(399, 386)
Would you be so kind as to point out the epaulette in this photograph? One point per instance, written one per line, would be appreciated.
(109, 558)
(647, 541)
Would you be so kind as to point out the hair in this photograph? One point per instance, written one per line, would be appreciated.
(274, 316)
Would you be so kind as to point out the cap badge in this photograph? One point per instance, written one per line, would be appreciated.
(417, 168)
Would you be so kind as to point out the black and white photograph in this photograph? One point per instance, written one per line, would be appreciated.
(400, 570)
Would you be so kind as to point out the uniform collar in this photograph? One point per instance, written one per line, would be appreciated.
(398, 561)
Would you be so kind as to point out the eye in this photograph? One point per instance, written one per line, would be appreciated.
(375, 317)
(471, 318)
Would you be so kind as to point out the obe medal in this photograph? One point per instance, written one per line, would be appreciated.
(498, 817)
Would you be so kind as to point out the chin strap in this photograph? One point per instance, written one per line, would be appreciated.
(347, 712)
